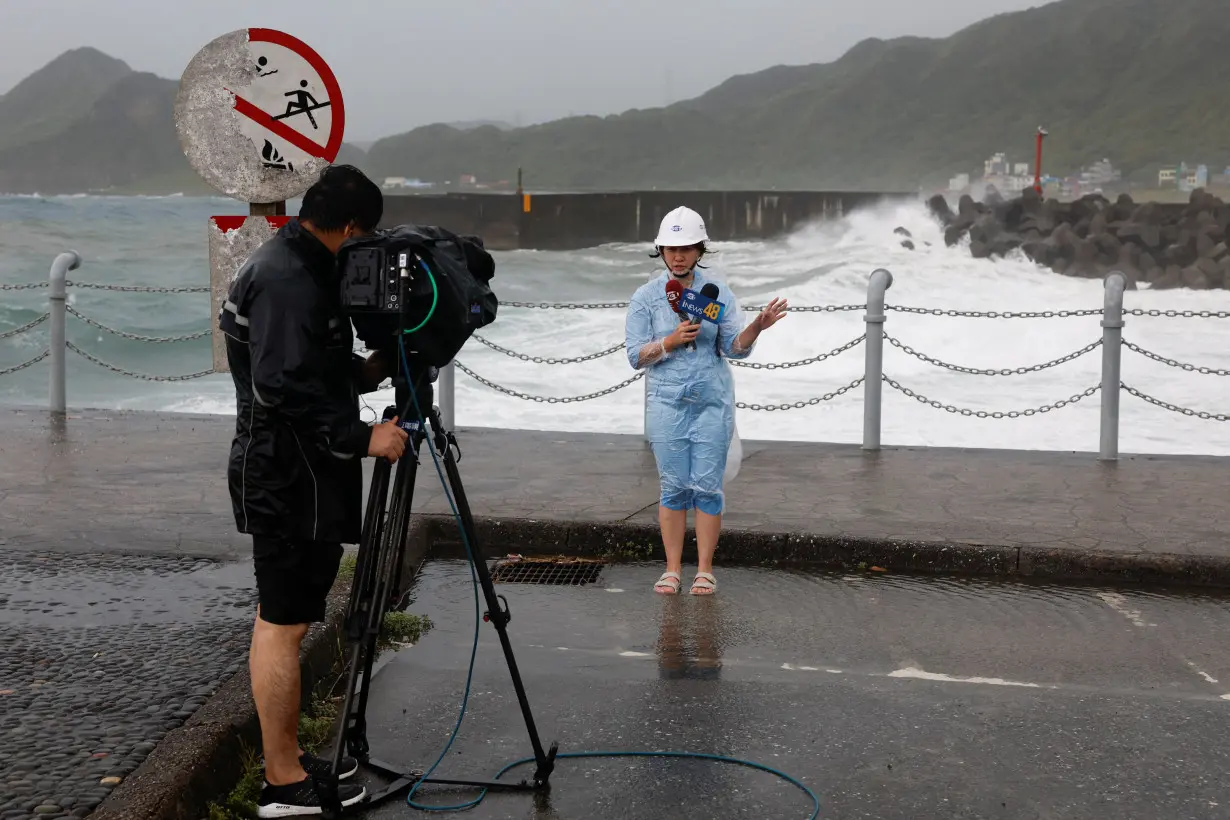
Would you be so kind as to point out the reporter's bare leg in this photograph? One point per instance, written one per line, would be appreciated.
(674, 525)
(273, 663)
(708, 529)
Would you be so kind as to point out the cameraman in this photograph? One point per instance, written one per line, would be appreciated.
(295, 471)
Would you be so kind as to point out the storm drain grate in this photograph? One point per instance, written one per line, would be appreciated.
(556, 571)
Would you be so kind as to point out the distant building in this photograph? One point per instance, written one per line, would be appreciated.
(391, 183)
(1021, 169)
(1192, 178)
(959, 183)
(1167, 177)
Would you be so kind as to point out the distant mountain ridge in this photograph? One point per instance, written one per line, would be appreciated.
(1137, 81)
(88, 123)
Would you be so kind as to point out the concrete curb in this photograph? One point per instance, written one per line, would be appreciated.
(629, 541)
(201, 761)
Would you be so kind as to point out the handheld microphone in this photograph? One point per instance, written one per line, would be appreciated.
(674, 293)
(709, 291)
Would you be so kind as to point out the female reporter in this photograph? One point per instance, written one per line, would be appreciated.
(690, 413)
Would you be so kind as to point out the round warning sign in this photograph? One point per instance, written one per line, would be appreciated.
(259, 115)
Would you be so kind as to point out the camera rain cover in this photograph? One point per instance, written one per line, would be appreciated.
(461, 268)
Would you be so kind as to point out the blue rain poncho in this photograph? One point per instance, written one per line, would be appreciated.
(690, 396)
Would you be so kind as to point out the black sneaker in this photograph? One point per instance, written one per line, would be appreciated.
(300, 799)
(320, 767)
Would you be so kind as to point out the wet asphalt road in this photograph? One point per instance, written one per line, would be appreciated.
(890, 697)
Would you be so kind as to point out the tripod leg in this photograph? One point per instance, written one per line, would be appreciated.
(497, 615)
(391, 553)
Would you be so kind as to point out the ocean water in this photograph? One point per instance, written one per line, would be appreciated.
(162, 242)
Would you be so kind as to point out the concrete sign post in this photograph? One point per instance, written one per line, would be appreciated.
(259, 115)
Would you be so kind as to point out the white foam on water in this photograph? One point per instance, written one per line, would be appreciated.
(828, 264)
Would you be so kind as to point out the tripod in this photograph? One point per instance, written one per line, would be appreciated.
(377, 575)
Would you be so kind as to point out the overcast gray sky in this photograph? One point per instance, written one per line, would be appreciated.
(404, 63)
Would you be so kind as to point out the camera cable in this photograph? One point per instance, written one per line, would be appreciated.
(474, 652)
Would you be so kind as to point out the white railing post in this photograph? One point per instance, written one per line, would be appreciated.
(879, 282)
(58, 310)
(1112, 355)
(446, 396)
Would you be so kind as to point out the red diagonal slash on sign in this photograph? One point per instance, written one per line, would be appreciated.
(327, 152)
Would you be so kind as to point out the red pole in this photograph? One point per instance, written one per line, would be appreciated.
(1038, 162)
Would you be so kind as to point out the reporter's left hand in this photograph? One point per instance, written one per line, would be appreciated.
(773, 313)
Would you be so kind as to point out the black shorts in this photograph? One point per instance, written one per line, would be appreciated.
(293, 578)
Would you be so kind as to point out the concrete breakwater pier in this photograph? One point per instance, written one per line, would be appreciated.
(127, 600)
(567, 221)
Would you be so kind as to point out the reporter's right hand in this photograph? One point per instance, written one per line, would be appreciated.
(388, 441)
(684, 333)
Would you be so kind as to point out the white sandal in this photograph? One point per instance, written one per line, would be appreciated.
(704, 581)
(671, 580)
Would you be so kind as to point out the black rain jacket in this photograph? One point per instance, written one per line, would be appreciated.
(295, 466)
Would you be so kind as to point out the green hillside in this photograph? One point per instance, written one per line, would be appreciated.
(88, 123)
(1138, 81)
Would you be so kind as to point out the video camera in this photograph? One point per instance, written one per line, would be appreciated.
(425, 283)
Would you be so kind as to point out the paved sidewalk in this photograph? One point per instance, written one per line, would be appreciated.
(127, 594)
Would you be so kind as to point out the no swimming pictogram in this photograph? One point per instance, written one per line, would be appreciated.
(260, 114)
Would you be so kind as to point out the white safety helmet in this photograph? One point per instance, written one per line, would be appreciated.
(681, 228)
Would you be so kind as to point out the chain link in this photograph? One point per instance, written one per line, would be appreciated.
(136, 288)
(992, 414)
(798, 405)
(1191, 368)
(1174, 407)
(541, 360)
(996, 314)
(566, 305)
(618, 305)
(134, 336)
(548, 399)
(31, 286)
(801, 362)
(131, 374)
(24, 365)
(1018, 371)
(1186, 314)
(17, 331)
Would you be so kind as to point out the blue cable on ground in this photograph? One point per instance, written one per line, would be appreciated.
(474, 652)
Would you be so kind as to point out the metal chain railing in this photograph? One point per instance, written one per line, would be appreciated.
(996, 314)
(548, 399)
(1179, 314)
(875, 308)
(1016, 371)
(160, 339)
(135, 288)
(17, 331)
(784, 365)
(547, 360)
(132, 374)
(1174, 407)
(6, 371)
(991, 414)
(798, 405)
(1191, 368)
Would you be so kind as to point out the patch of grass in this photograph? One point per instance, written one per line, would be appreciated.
(315, 732)
(401, 628)
(631, 551)
(346, 571)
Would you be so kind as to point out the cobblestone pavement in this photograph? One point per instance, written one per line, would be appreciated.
(100, 656)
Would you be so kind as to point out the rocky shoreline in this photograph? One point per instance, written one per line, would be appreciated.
(1163, 245)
